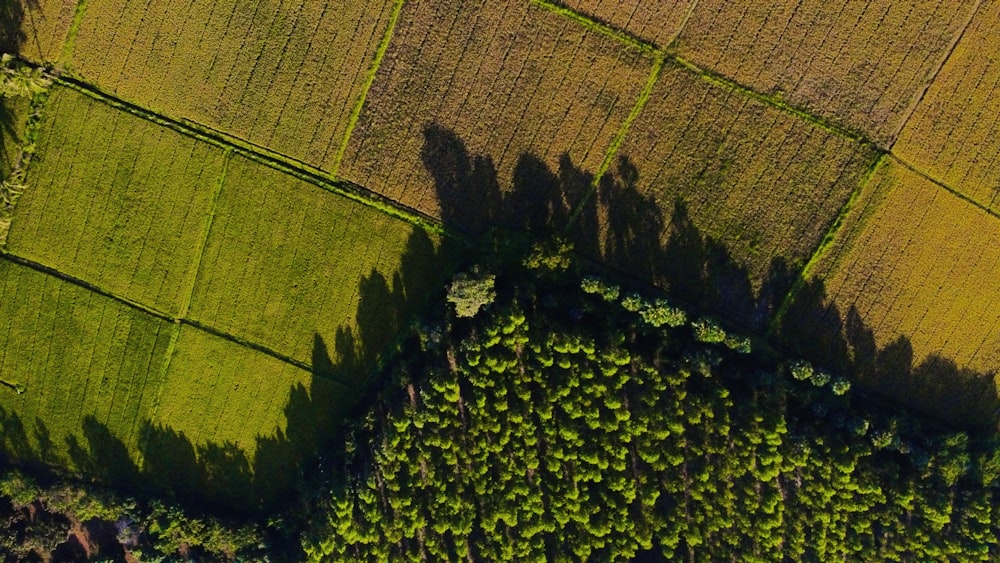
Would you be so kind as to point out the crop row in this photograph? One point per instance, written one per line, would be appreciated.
(282, 75)
(469, 92)
(116, 201)
(952, 133)
(859, 63)
(707, 174)
(914, 266)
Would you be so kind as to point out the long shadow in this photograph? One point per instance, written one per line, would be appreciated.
(230, 478)
(630, 231)
(815, 328)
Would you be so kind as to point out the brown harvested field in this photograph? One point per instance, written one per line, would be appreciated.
(859, 63)
(658, 21)
(952, 135)
(758, 181)
(285, 75)
(472, 89)
(36, 29)
(914, 269)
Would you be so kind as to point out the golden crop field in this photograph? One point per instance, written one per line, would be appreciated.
(36, 29)
(916, 265)
(658, 21)
(859, 63)
(282, 75)
(468, 89)
(117, 201)
(952, 135)
(716, 164)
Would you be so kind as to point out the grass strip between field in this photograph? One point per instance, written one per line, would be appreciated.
(825, 243)
(74, 29)
(271, 159)
(5, 255)
(189, 287)
(600, 27)
(352, 120)
(618, 139)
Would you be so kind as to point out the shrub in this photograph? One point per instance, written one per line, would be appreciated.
(470, 293)
(708, 331)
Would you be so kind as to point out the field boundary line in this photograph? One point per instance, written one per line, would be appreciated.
(355, 116)
(207, 229)
(932, 77)
(272, 159)
(944, 186)
(69, 42)
(48, 270)
(262, 349)
(618, 140)
(825, 243)
(773, 101)
(600, 27)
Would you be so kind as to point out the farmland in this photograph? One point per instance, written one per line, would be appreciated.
(652, 20)
(283, 75)
(78, 356)
(239, 221)
(36, 28)
(294, 286)
(861, 64)
(952, 135)
(476, 97)
(734, 170)
(140, 194)
(916, 267)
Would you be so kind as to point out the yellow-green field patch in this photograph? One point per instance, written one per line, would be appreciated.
(859, 63)
(952, 135)
(89, 368)
(285, 75)
(716, 195)
(288, 264)
(658, 21)
(116, 201)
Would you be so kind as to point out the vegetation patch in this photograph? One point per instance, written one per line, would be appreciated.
(860, 64)
(951, 135)
(284, 76)
(560, 424)
(474, 96)
(140, 195)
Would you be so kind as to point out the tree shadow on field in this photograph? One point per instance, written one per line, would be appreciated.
(242, 479)
(12, 16)
(814, 328)
(630, 231)
(620, 227)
